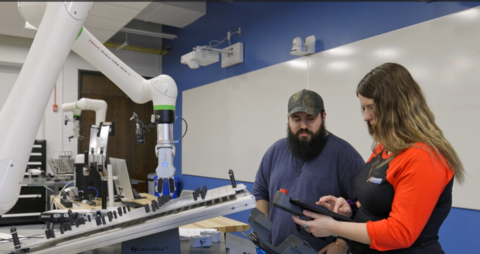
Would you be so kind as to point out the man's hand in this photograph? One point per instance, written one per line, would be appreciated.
(262, 205)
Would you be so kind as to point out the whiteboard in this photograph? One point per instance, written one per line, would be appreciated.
(232, 122)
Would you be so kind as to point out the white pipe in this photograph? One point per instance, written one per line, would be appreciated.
(148, 33)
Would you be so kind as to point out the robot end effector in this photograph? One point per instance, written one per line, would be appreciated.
(165, 154)
(76, 127)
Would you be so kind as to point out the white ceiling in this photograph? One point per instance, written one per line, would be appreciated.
(177, 14)
(107, 18)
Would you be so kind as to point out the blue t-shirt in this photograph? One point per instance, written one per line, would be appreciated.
(331, 173)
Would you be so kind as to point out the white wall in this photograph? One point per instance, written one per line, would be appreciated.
(8, 75)
(13, 52)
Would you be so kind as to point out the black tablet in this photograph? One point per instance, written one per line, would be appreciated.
(320, 210)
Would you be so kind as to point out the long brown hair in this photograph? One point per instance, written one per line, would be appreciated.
(402, 116)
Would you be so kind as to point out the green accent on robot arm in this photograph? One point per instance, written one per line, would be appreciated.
(164, 107)
(79, 32)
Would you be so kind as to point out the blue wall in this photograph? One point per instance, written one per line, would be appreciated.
(267, 33)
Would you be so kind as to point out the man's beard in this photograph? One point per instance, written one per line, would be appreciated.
(307, 149)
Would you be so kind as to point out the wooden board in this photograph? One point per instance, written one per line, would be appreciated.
(222, 224)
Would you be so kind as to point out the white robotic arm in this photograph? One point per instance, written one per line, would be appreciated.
(99, 106)
(60, 30)
(20, 120)
(162, 90)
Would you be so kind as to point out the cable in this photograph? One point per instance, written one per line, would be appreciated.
(69, 183)
(140, 122)
(236, 32)
(95, 190)
(49, 189)
(228, 37)
(91, 187)
(254, 238)
(140, 128)
(146, 127)
(186, 129)
(219, 42)
(51, 200)
(9, 240)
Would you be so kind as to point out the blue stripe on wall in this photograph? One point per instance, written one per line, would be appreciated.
(267, 33)
(459, 233)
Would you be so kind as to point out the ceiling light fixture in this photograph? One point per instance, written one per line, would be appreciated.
(148, 33)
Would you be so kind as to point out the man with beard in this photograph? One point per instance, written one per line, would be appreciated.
(310, 163)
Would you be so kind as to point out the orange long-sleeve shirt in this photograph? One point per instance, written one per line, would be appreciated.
(405, 201)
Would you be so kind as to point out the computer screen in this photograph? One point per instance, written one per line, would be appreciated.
(121, 178)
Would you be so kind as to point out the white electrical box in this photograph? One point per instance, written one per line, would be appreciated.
(231, 59)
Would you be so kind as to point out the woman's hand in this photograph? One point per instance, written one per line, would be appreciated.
(319, 226)
(337, 205)
(332, 249)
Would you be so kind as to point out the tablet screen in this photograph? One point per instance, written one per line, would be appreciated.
(320, 210)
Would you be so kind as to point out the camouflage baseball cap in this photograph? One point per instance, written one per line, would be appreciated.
(306, 101)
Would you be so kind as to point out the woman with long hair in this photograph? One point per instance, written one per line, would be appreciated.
(404, 192)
